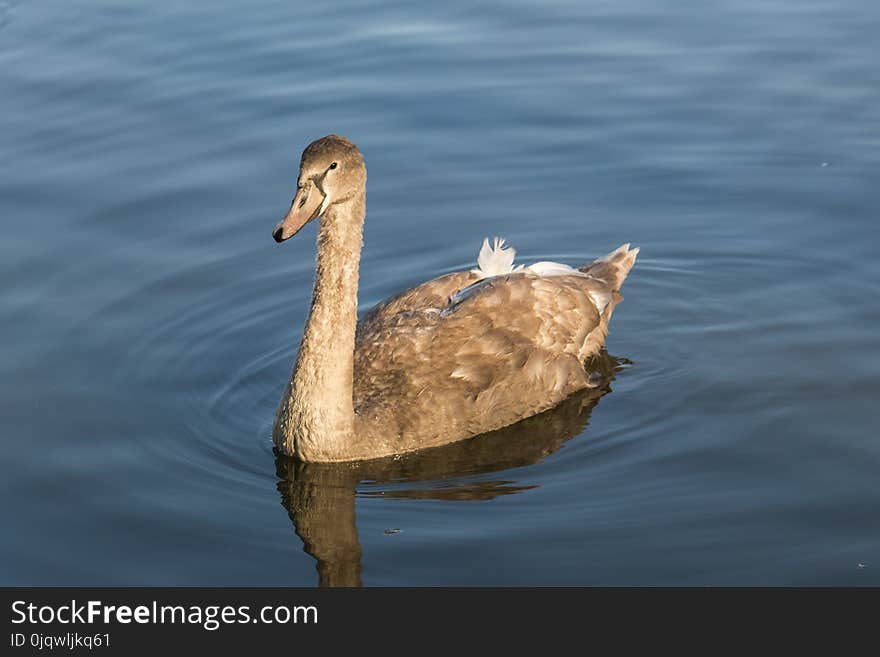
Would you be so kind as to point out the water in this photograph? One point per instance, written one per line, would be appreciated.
(149, 321)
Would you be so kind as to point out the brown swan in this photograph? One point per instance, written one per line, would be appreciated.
(458, 356)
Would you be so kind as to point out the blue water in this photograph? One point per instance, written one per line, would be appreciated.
(149, 322)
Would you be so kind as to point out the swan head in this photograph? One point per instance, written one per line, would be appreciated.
(331, 171)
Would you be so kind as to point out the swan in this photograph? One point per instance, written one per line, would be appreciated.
(463, 354)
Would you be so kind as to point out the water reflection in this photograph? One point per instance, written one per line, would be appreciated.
(320, 497)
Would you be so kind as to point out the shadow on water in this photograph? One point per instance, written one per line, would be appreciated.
(320, 497)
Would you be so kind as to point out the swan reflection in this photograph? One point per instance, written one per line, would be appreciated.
(320, 497)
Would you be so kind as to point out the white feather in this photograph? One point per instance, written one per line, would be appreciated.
(545, 268)
(494, 260)
(601, 299)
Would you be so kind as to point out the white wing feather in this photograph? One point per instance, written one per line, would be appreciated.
(494, 260)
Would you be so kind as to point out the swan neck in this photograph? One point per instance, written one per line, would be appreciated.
(317, 416)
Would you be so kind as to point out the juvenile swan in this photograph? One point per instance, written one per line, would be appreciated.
(463, 354)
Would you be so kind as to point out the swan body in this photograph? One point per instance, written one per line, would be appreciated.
(460, 355)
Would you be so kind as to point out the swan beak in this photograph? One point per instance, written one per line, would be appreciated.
(305, 206)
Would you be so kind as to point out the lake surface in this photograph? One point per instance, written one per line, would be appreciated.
(149, 322)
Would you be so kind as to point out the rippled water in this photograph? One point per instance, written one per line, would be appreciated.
(149, 322)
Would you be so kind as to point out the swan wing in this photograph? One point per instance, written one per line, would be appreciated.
(431, 294)
(468, 352)
(511, 347)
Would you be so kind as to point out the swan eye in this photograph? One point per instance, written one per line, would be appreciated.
(334, 165)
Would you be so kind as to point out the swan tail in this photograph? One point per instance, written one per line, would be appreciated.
(614, 267)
